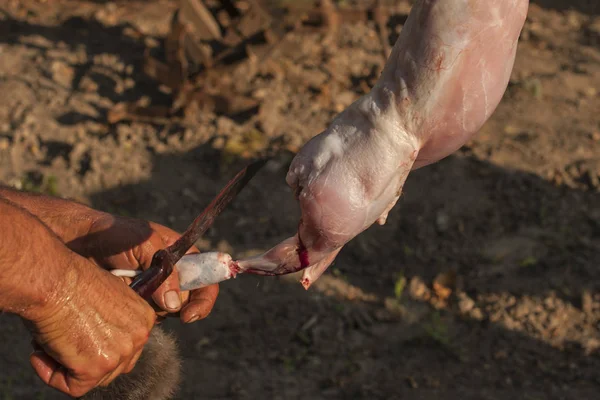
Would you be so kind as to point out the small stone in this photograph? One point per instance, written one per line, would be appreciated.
(4, 143)
(151, 42)
(550, 303)
(259, 94)
(412, 382)
(224, 18)
(107, 15)
(418, 290)
(465, 303)
(88, 85)
(444, 284)
(225, 126)
(591, 345)
(128, 83)
(34, 149)
(477, 314)
(62, 73)
(573, 20)
(591, 91)
(219, 142)
(521, 310)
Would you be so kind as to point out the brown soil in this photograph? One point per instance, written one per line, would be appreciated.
(509, 226)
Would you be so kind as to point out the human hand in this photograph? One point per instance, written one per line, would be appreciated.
(115, 242)
(92, 329)
(88, 327)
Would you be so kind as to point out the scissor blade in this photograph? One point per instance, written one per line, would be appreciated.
(207, 217)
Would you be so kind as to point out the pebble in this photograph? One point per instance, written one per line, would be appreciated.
(465, 303)
(591, 91)
(62, 73)
(521, 310)
(477, 314)
(418, 290)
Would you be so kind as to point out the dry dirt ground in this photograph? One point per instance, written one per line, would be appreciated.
(510, 224)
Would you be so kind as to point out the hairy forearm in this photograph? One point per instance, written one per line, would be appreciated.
(67, 219)
(34, 263)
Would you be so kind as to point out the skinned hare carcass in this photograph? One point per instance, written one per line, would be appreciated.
(444, 78)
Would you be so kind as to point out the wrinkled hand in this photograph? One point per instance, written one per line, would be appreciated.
(115, 242)
(92, 330)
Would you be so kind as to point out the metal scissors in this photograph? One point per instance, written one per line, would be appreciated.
(146, 283)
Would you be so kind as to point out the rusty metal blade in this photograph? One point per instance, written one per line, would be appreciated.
(163, 261)
(207, 217)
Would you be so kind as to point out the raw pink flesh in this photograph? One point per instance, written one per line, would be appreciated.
(444, 78)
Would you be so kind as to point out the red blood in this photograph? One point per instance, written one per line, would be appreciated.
(306, 283)
(302, 255)
(234, 268)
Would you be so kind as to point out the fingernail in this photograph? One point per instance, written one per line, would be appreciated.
(193, 319)
(172, 300)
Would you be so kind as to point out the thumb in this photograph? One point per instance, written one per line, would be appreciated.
(43, 365)
(168, 295)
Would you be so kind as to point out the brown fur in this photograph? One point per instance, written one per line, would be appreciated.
(156, 375)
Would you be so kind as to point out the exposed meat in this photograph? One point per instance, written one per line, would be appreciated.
(445, 76)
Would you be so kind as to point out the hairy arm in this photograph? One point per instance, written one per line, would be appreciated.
(68, 219)
(89, 327)
(33, 262)
(115, 242)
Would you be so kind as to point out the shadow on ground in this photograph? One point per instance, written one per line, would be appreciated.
(505, 233)
(269, 338)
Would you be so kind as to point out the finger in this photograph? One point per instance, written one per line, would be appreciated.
(201, 304)
(56, 376)
(133, 361)
(111, 376)
(168, 296)
(43, 364)
(162, 314)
